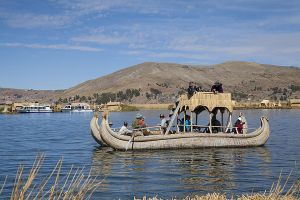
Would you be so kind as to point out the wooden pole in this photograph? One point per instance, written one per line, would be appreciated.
(184, 120)
(191, 121)
(210, 116)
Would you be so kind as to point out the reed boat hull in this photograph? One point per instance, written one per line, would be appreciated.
(95, 131)
(105, 136)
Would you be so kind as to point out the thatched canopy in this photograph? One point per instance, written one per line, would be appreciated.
(206, 100)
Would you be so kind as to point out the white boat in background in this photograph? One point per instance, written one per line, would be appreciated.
(36, 109)
(77, 107)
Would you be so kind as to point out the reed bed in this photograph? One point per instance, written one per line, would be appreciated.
(278, 191)
(74, 185)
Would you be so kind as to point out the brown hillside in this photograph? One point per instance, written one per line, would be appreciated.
(244, 79)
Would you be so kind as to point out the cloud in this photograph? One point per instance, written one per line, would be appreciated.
(101, 39)
(31, 20)
(53, 46)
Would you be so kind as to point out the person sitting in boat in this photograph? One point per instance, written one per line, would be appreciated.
(187, 123)
(216, 125)
(217, 87)
(124, 130)
(163, 124)
(238, 126)
(141, 123)
(180, 124)
(137, 122)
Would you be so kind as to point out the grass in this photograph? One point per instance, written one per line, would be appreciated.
(128, 108)
(278, 191)
(75, 185)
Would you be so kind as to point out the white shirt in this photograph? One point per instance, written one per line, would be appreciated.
(163, 123)
(124, 130)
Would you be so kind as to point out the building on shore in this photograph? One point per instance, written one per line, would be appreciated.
(294, 103)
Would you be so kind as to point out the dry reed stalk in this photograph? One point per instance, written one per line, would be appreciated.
(275, 193)
(75, 186)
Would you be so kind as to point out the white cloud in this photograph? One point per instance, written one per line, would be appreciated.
(101, 39)
(53, 46)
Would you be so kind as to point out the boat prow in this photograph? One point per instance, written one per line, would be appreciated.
(95, 130)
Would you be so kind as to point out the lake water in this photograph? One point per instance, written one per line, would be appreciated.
(164, 173)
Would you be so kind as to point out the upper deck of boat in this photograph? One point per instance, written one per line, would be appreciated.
(209, 100)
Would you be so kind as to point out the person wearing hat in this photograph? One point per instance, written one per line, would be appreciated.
(163, 124)
(138, 122)
(124, 130)
(217, 87)
(238, 126)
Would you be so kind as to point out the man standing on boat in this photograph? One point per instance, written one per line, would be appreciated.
(163, 124)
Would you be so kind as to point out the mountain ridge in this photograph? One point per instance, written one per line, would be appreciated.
(162, 82)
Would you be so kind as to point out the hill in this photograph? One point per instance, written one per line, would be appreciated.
(21, 95)
(152, 82)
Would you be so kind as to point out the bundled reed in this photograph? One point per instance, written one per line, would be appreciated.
(278, 191)
(74, 185)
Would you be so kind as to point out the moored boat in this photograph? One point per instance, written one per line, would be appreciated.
(193, 135)
(77, 107)
(36, 109)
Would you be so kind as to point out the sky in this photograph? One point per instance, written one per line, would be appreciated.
(56, 44)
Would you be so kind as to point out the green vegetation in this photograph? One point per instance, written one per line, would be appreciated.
(294, 88)
(128, 108)
(239, 95)
(103, 98)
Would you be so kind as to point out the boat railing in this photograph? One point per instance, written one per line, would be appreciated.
(198, 128)
(195, 128)
(153, 128)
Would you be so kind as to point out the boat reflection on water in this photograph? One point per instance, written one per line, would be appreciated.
(177, 173)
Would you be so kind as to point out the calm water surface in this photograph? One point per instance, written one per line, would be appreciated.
(168, 173)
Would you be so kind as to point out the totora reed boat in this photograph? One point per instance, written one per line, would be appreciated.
(190, 135)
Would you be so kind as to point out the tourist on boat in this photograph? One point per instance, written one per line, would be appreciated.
(180, 124)
(217, 87)
(187, 123)
(139, 122)
(191, 89)
(163, 124)
(216, 125)
(124, 130)
(238, 125)
(135, 123)
(110, 124)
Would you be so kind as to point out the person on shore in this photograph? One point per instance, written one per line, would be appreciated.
(163, 124)
(217, 87)
(124, 130)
